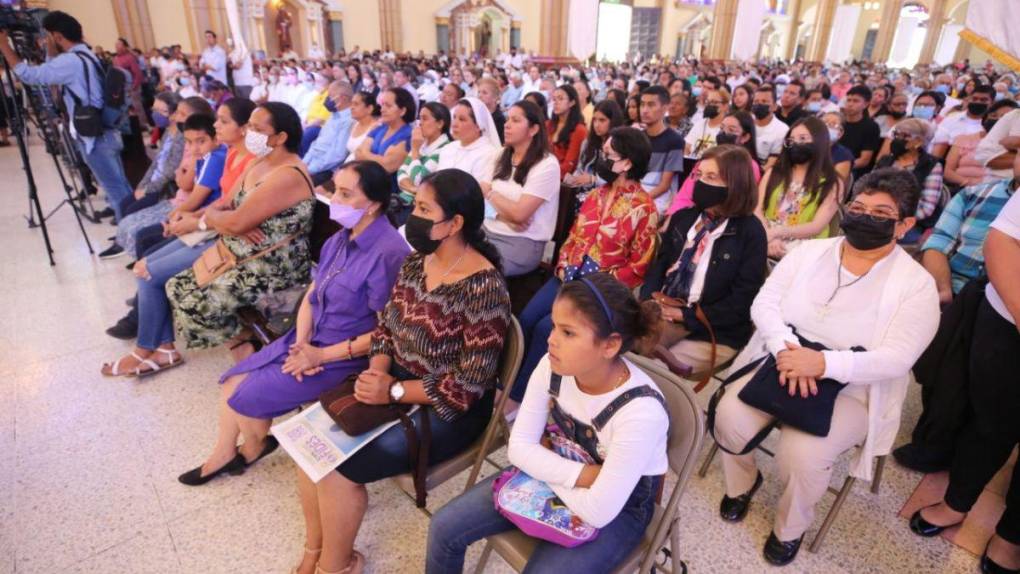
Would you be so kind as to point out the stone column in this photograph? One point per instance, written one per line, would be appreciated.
(791, 33)
(553, 41)
(936, 21)
(824, 14)
(887, 24)
(724, 19)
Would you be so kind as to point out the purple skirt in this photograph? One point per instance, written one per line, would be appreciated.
(268, 392)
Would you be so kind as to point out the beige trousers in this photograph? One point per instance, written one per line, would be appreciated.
(698, 354)
(805, 461)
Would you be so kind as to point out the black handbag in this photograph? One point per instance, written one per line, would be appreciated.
(812, 415)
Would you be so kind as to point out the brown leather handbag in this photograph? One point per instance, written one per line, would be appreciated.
(217, 259)
(357, 418)
(673, 333)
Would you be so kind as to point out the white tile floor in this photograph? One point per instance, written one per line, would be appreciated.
(89, 480)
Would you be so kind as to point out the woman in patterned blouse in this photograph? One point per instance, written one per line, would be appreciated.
(614, 232)
(438, 345)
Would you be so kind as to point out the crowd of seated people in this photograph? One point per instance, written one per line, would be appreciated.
(819, 225)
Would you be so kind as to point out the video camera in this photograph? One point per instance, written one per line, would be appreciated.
(25, 30)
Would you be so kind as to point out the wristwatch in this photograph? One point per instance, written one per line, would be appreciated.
(396, 391)
(202, 226)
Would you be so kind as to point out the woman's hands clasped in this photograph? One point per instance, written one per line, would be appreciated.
(799, 369)
(303, 361)
(373, 387)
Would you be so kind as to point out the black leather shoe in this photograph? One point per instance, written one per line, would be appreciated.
(735, 509)
(923, 458)
(125, 329)
(194, 477)
(270, 446)
(990, 567)
(108, 212)
(779, 553)
(921, 527)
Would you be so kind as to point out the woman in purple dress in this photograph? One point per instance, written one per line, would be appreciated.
(333, 332)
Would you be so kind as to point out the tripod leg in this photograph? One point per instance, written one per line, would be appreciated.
(70, 201)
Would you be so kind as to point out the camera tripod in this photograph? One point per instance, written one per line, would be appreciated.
(48, 122)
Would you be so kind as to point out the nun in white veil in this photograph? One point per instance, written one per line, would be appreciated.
(475, 141)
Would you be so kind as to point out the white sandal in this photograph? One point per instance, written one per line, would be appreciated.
(115, 367)
(155, 367)
(355, 566)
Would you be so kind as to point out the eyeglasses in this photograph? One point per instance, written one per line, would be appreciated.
(878, 215)
(791, 143)
(902, 135)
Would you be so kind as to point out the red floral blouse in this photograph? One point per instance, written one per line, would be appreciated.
(619, 237)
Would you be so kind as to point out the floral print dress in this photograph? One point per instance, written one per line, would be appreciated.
(207, 316)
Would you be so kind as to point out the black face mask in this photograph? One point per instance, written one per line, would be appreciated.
(707, 195)
(761, 111)
(988, 124)
(977, 108)
(801, 153)
(897, 147)
(418, 232)
(710, 111)
(864, 233)
(604, 169)
(725, 138)
(897, 115)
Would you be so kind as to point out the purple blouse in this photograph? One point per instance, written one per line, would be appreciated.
(353, 281)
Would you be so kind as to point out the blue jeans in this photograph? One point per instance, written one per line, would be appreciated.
(155, 322)
(473, 516)
(106, 166)
(536, 322)
(130, 205)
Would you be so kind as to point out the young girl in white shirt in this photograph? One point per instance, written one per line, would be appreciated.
(586, 393)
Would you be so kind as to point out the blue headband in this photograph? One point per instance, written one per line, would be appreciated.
(602, 301)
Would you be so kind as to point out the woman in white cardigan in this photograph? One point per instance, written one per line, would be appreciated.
(861, 290)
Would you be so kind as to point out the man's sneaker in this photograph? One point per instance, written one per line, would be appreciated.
(112, 252)
(108, 212)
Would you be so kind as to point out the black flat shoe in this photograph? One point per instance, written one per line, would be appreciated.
(921, 527)
(735, 509)
(270, 446)
(194, 477)
(988, 566)
(779, 553)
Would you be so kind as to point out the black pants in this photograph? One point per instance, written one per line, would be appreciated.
(994, 429)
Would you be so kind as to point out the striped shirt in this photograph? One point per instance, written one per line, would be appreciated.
(961, 230)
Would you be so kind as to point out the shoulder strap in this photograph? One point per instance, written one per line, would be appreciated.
(713, 405)
(88, 83)
(554, 384)
(308, 180)
(619, 402)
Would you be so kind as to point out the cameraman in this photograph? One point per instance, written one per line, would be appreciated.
(65, 69)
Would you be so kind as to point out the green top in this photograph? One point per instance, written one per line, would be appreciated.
(794, 208)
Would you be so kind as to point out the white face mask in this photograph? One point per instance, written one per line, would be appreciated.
(833, 135)
(257, 143)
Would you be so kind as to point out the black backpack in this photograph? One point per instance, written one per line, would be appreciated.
(89, 120)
